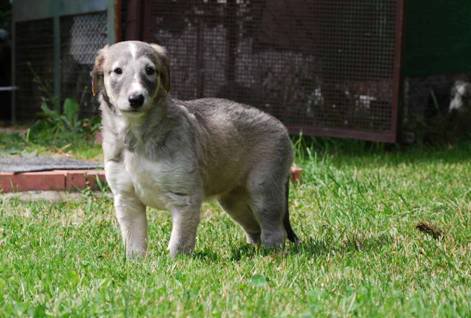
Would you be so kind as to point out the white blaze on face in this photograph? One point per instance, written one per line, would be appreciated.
(136, 85)
(133, 49)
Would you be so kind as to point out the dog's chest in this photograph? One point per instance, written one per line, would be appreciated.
(156, 181)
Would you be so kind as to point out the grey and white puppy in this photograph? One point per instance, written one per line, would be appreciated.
(171, 154)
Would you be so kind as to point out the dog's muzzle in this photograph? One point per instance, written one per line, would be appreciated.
(136, 100)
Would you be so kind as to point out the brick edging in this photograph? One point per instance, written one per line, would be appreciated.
(67, 180)
(55, 180)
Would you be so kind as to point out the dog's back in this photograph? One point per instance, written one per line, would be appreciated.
(236, 139)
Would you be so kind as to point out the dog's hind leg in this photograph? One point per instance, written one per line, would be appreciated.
(267, 201)
(237, 204)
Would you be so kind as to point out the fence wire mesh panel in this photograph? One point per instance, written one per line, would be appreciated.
(81, 38)
(323, 67)
(34, 65)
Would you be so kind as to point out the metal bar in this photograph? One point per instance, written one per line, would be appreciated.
(57, 60)
(8, 88)
(386, 136)
(397, 72)
(13, 69)
(74, 7)
(111, 18)
(118, 20)
(27, 10)
(134, 20)
(231, 40)
(147, 21)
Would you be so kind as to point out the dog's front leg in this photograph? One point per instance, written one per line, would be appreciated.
(131, 215)
(185, 222)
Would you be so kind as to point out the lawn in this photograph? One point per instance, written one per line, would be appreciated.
(356, 210)
(39, 140)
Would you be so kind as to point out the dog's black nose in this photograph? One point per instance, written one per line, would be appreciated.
(136, 100)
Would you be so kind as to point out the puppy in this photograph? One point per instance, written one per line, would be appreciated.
(172, 154)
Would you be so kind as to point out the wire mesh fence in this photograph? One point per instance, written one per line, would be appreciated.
(323, 67)
(81, 36)
(316, 65)
(34, 65)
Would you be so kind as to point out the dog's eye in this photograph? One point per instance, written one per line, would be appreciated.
(150, 70)
(118, 70)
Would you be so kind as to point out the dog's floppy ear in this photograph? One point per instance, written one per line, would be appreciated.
(97, 72)
(165, 71)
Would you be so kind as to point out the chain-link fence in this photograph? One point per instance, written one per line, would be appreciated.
(52, 62)
(34, 65)
(81, 38)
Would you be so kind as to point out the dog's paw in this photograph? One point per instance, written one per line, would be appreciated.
(253, 238)
(180, 249)
(135, 254)
(274, 239)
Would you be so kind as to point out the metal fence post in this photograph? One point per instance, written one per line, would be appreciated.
(57, 58)
(111, 22)
(13, 67)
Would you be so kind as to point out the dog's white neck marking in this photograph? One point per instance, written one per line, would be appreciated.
(133, 49)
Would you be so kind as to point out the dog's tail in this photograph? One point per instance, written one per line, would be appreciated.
(289, 230)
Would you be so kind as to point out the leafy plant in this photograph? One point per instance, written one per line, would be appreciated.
(69, 120)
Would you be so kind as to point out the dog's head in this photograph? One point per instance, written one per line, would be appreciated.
(132, 75)
(460, 100)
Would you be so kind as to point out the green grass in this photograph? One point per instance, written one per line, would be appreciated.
(356, 211)
(43, 141)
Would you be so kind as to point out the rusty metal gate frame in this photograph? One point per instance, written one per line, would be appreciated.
(139, 16)
(387, 137)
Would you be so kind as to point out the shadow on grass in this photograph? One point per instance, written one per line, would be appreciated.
(206, 255)
(317, 247)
